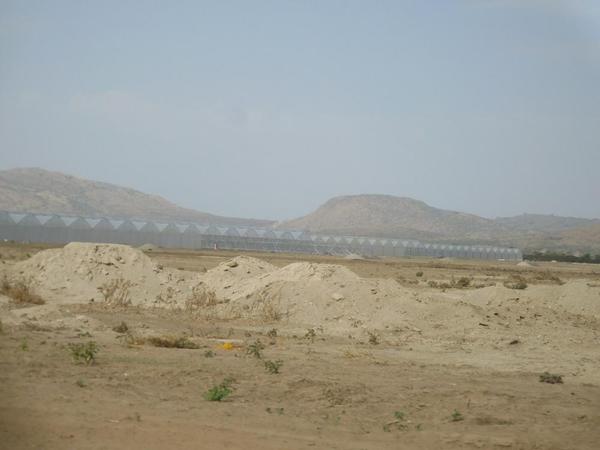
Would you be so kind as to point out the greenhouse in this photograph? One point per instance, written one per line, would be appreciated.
(56, 229)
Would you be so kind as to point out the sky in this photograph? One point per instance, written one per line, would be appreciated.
(266, 109)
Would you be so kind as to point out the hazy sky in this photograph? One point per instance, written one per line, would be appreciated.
(268, 108)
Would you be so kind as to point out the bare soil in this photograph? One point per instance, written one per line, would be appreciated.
(454, 367)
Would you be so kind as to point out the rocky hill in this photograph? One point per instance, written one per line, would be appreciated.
(401, 217)
(389, 216)
(42, 191)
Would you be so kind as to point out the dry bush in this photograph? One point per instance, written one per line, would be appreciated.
(373, 338)
(172, 342)
(516, 282)
(116, 292)
(121, 328)
(267, 307)
(201, 297)
(131, 340)
(20, 292)
(551, 378)
(461, 283)
(439, 285)
(547, 276)
(270, 313)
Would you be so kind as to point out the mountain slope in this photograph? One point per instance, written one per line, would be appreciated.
(42, 191)
(544, 223)
(389, 216)
(400, 217)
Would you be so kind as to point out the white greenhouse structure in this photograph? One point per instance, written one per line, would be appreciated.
(59, 229)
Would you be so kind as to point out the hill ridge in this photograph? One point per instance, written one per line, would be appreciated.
(42, 191)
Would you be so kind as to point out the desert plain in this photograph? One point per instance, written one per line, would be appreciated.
(110, 347)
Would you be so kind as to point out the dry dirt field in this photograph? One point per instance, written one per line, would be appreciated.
(307, 352)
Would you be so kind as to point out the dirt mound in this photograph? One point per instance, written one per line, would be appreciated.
(302, 295)
(303, 271)
(305, 294)
(117, 274)
(524, 264)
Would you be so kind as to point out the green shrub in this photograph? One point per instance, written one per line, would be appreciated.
(219, 392)
(84, 353)
(456, 416)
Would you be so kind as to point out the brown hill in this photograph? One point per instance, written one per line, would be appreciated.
(41, 191)
(401, 217)
(545, 223)
(389, 216)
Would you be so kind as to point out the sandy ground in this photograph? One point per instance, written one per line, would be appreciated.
(373, 358)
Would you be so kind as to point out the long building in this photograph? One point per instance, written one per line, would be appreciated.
(60, 229)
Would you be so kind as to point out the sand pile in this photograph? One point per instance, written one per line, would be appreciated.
(574, 297)
(524, 264)
(230, 278)
(306, 294)
(117, 274)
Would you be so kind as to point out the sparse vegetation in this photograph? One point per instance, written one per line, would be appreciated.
(172, 342)
(20, 292)
(273, 366)
(399, 415)
(219, 392)
(270, 313)
(398, 423)
(121, 328)
(549, 277)
(456, 416)
(255, 349)
(551, 378)
(116, 292)
(201, 297)
(419, 274)
(439, 284)
(461, 283)
(84, 352)
(562, 257)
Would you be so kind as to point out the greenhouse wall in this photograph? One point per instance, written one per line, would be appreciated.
(56, 229)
